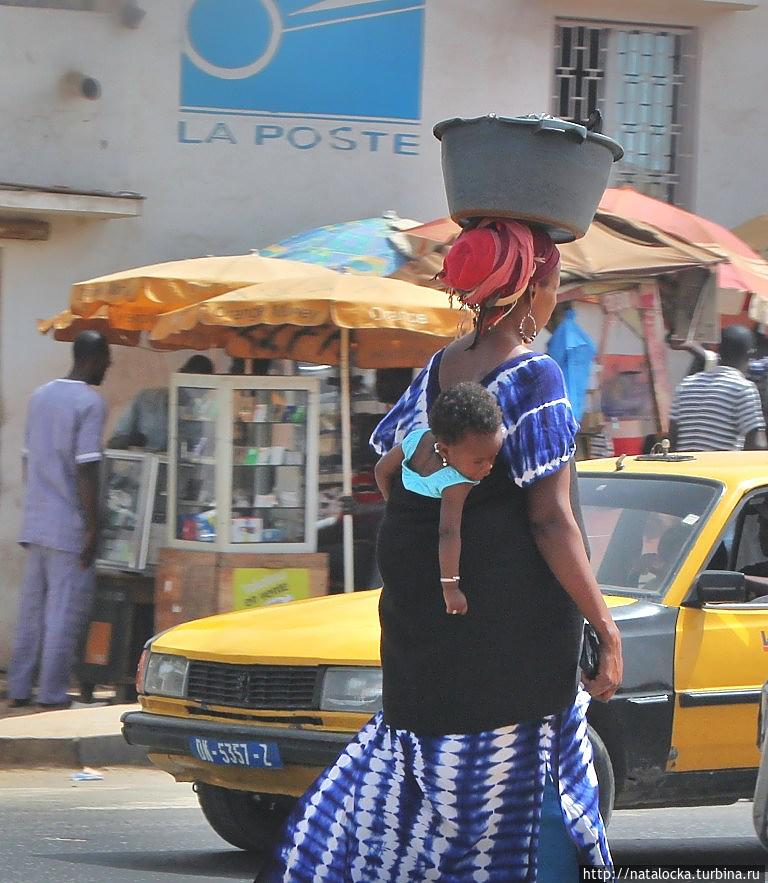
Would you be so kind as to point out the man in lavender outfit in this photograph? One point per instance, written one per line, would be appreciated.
(61, 456)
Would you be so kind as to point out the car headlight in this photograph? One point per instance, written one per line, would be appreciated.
(351, 689)
(165, 675)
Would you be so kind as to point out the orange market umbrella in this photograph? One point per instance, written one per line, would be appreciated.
(66, 326)
(134, 297)
(297, 311)
(392, 323)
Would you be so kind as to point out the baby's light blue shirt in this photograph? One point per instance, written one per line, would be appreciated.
(427, 485)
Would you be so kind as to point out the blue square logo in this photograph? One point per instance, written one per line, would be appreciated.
(337, 59)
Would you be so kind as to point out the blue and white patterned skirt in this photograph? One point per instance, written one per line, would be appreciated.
(401, 808)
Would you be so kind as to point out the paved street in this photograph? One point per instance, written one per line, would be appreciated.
(135, 825)
(139, 826)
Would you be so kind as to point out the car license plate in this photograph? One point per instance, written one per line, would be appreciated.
(253, 754)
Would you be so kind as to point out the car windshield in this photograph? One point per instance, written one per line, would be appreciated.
(641, 527)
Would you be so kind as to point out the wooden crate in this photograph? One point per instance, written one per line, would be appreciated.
(190, 584)
(185, 586)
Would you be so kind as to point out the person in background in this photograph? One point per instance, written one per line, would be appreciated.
(757, 371)
(391, 383)
(144, 423)
(261, 367)
(760, 568)
(258, 367)
(757, 572)
(650, 441)
(719, 410)
(62, 450)
(651, 571)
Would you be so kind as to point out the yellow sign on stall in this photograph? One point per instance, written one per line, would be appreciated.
(258, 586)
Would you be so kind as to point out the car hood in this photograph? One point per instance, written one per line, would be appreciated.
(331, 630)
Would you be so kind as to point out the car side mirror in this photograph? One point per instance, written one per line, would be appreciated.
(719, 587)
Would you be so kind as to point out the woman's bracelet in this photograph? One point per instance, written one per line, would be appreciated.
(450, 579)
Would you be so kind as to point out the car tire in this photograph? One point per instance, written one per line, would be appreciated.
(250, 822)
(606, 781)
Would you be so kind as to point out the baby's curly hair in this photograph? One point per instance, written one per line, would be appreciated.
(463, 408)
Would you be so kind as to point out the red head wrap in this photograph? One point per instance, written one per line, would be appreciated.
(547, 255)
(496, 261)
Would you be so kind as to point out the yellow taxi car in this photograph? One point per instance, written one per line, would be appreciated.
(760, 801)
(252, 705)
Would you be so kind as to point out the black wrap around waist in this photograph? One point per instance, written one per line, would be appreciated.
(513, 657)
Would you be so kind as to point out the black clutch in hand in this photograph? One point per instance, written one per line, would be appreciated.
(590, 652)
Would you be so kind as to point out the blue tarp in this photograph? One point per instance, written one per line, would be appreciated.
(573, 350)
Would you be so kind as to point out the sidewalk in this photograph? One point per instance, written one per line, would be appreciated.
(73, 738)
(89, 735)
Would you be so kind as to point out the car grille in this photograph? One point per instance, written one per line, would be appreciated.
(286, 687)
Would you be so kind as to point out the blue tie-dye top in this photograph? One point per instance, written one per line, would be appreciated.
(530, 389)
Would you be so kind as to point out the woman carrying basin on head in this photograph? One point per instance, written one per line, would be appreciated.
(479, 766)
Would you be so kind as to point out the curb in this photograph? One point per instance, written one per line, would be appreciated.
(75, 752)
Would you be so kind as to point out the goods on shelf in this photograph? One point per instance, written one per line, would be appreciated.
(244, 462)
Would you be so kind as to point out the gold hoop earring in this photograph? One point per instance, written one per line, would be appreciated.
(530, 334)
(440, 453)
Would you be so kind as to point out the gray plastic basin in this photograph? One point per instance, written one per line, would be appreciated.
(538, 169)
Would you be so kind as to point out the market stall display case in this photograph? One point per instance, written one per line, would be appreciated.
(243, 464)
(242, 496)
(127, 487)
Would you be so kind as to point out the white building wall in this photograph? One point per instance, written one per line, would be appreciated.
(222, 197)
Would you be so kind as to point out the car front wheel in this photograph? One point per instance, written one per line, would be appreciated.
(606, 781)
(248, 821)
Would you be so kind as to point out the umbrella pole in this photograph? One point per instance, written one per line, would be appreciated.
(346, 462)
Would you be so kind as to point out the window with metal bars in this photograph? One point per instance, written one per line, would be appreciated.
(640, 78)
(80, 5)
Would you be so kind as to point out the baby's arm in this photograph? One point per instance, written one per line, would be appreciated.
(451, 508)
(386, 469)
